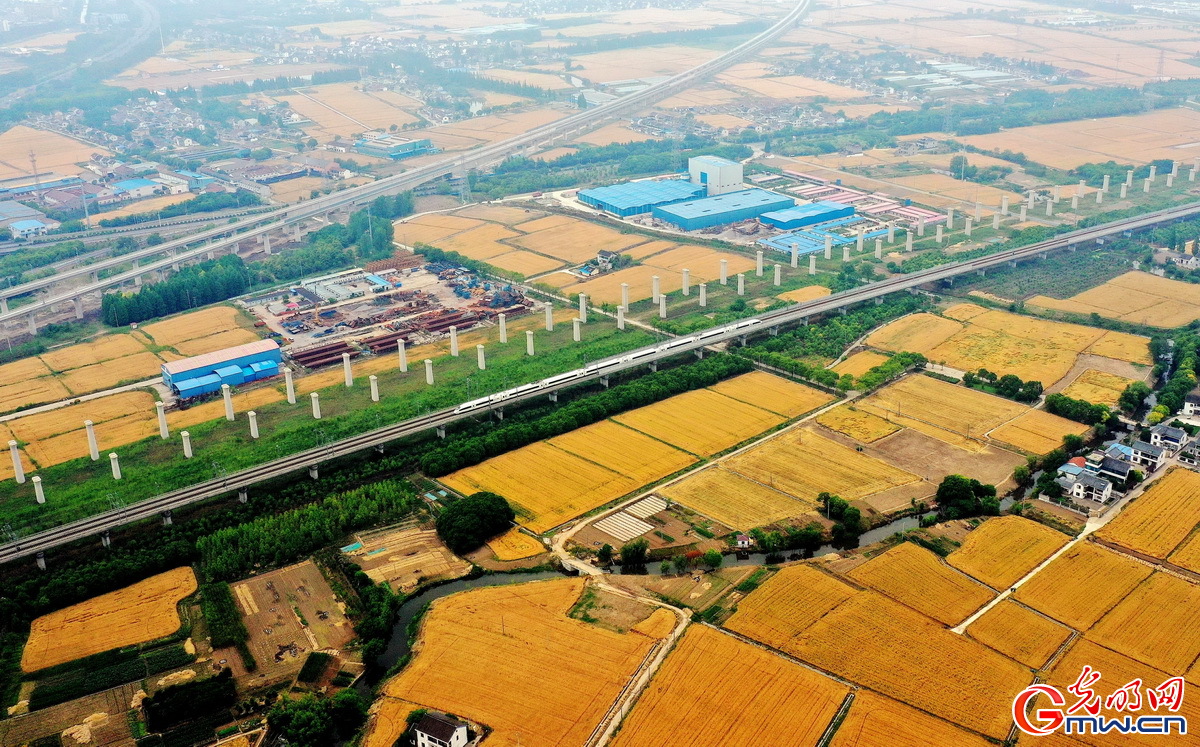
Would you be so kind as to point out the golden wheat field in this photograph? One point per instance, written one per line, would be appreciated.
(1137, 297)
(1082, 584)
(1097, 387)
(502, 214)
(828, 467)
(945, 411)
(388, 719)
(1187, 555)
(703, 262)
(575, 240)
(218, 341)
(876, 721)
(525, 263)
(479, 243)
(883, 645)
(915, 333)
(485, 654)
(548, 485)
(242, 402)
(1037, 431)
(640, 278)
(1019, 633)
(94, 351)
(859, 363)
(788, 604)
(862, 426)
(22, 371)
(701, 421)
(428, 229)
(700, 693)
(733, 500)
(197, 324)
(515, 545)
(1155, 624)
(623, 450)
(773, 393)
(918, 578)
(807, 293)
(135, 614)
(1161, 518)
(31, 392)
(54, 152)
(108, 374)
(1004, 549)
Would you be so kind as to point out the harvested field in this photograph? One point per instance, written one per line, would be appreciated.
(1137, 297)
(289, 612)
(859, 363)
(152, 205)
(733, 500)
(918, 578)
(1081, 585)
(1004, 549)
(21, 371)
(887, 647)
(773, 393)
(111, 373)
(623, 450)
(650, 248)
(789, 603)
(525, 263)
(1019, 633)
(548, 485)
(915, 333)
(701, 421)
(613, 133)
(135, 614)
(830, 467)
(576, 241)
(403, 557)
(807, 293)
(1155, 624)
(1037, 431)
(218, 341)
(1123, 347)
(485, 654)
(1097, 387)
(1161, 518)
(427, 229)
(54, 152)
(86, 353)
(515, 545)
(479, 243)
(862, 426)
(507, 216)
(192, 326)
(700, 692)
(876, 721)
(952, 413)
(754, 76)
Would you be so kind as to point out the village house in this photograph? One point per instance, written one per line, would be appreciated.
(1169, 438)
(436, 730)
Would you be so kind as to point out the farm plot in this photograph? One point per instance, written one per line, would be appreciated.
(915, 333)
(1037, 431)
(919, 579)
(1019, 633)
(501, 214)
(95, 351)
(773, 393)
(136, 614)
(951, 413)
(197, 324)
(1004, 549)
(485, 654)
(54, 152)
(701, 422)
(426, 229)
(733, 500)
(607, 287)
(480, 243)
(1155, 624)
(623, 450)
(405, 556)
(1137, 297)
(788, 604)
(217, 341)
(31, 392)
(515, 545)
(22, 371)
(548, 485)
(704, 263)
(576, 241)
(807, 293)
(876, 721)
(289, 612)
(1161, 518)
(119, 418)
(700, 693)
(112, 373)
(1081, 585)
(829, 467)
(389, 720)
(887, 647)
(524, 263)
(862, 426)
(859, 363)
(1097, 387)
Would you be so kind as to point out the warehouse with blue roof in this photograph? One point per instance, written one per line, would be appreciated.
(806, 215)
(731, 207)
(204, 374)
(635, 198)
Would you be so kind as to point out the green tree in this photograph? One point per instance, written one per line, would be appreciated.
(959, 497)
(681, 563)
(605, 555)
(633, 553)
(713, 559)
(1134, 395)
(1072, 442)
(303, 722)
(1022, 475)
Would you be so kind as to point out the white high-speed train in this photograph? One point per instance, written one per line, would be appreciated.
(599, 366)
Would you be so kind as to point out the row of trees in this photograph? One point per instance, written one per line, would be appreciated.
(210, 202)
(191, 287)
(894, 366)
(1183, 378)
(1081, 411)
(1009, 385)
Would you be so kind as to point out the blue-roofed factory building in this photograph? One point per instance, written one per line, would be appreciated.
(722, 209)
(806, 215)
(204, 374)
(635, 198)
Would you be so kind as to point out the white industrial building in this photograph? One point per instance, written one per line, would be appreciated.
(718, 175)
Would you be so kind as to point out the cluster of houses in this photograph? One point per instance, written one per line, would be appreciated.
(1092, 478)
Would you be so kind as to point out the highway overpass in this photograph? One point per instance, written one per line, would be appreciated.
(246, 479)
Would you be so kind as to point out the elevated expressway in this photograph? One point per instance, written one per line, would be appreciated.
(650, 355)
(258, 227)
